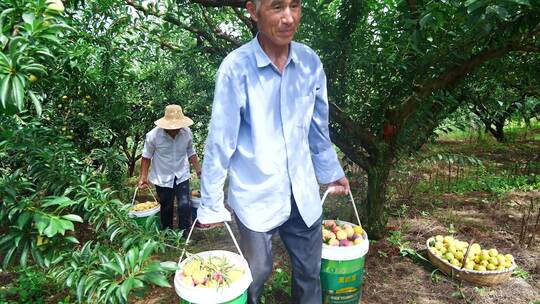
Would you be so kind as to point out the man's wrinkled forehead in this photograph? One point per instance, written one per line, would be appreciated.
(271, 2)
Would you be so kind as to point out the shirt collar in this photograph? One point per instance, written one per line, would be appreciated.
(263, 60)
(164, 134)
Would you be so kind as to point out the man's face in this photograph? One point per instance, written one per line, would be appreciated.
(172, 132)
(277, 20)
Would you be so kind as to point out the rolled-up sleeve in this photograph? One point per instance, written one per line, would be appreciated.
(324, 157)
(149, 146)
(220, 146)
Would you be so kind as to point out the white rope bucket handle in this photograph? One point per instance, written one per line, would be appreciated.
(191, 231)
(135, 194)
(332, 189)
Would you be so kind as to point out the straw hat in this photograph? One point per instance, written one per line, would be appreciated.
(174, 118)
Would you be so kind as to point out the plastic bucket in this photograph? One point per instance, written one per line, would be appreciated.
(195, 202)
(241, 299)
(342, 269)
(235, 293)
(141, 217)
(342, 272)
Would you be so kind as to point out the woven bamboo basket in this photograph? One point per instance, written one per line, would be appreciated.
(484, 278)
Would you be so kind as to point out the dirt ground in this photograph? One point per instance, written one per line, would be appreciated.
(391, 277)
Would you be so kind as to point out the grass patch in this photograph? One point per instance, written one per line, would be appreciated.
(514, 130)
(495, 183)
(455, 221)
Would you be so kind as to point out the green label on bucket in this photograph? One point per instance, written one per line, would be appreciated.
(141, 221)
(241, 299)
(341, 281)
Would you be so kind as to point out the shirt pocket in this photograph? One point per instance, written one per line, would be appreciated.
(304, 110)
(162, 145)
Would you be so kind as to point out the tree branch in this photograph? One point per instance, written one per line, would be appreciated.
(252, 26)
(355, 156)
(168, 45)
(350, 130)
(203, 35)
(135, 146)
(413, 9)
(221, 3)
(451, 76)
(218, 32)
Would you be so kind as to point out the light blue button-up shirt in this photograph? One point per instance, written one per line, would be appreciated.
(269, 132)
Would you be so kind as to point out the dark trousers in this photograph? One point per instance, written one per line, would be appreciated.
(304, 245)
(166, 199)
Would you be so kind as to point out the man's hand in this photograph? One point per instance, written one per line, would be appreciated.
(143, 182)
(202, 226)
(341, 186)
(199, 172)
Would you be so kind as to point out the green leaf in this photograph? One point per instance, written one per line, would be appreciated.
(113, 234)
(155, 278)
(36, 103)
(60, 201)
(66, 225)
(131, 257)
(4, 14)
(169, 265)
(23, 219)
(522, 2)
(120, 262)
(41, 222)
(473, 5)
(69, 279)
(80, 288)
(90, 284)
(36, 255)
(3, 41)
(498, 10)
(72, 239)
(6, 238)
(4, 89)
(147, 249)
(35, 68)
(137, 283)
(24, 255)
(52, 228)
(426, 19)
(126, 287)
(73, 218)
(45, 53)
(7, 257)
(18, 92)
(51, 38)
(28, 18)
(115, 268)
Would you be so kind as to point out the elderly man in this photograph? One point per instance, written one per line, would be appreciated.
(269, 132)
(169, 147)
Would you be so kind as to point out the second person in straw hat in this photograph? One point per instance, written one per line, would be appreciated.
(168, 148)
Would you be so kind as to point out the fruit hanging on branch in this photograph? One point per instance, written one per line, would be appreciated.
(55, 5)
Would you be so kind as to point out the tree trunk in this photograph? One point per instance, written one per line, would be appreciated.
(132, 156)
(131, 166)
(499, 134)
(374, 209)
(498, 131)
